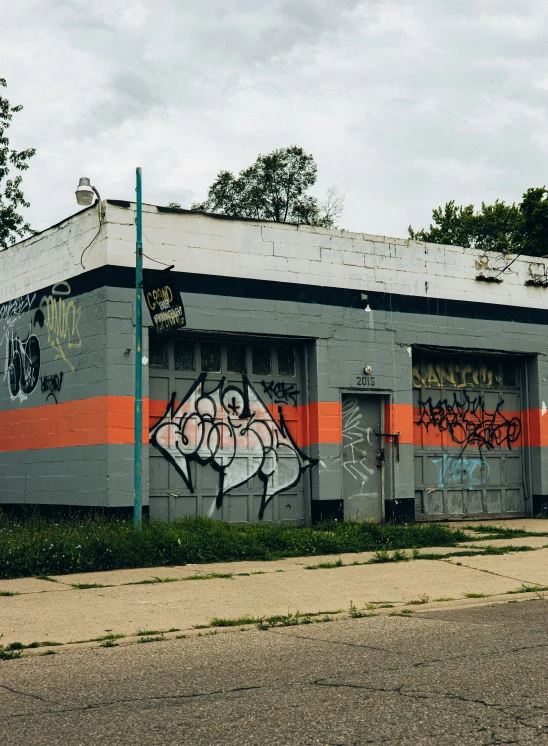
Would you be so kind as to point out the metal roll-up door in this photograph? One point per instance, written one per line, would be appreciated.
(468, 436)
(225, 426)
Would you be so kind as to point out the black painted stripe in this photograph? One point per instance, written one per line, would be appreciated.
(238, 287)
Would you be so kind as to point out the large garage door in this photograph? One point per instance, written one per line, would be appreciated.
(468, 436)
(225, 426)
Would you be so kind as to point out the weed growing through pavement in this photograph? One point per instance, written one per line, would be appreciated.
(35, 545)
(48, 652)
(383, 555)
(155, 638)
(476, 595)
(180, 637)
(88, 586)
(153, 581)
(108, 644)
(444, 598)
(157, 631)
(325, 565)
(422, 599)
(9, 593)
(530, 589)
(45, 577)
(403, 612)
(355, 614)
(217, 622)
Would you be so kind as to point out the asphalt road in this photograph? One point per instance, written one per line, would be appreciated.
(472, 676)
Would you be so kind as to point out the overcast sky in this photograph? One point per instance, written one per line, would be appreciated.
(405, 104)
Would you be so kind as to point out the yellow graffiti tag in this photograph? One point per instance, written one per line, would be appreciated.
(61, 317)
(437, 375)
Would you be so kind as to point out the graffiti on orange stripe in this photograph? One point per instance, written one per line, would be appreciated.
(468, 423)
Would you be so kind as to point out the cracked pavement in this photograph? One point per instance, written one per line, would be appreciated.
(454, 676)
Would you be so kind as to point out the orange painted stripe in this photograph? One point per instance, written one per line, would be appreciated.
(398, 418)
(109, 420)
(84, 422)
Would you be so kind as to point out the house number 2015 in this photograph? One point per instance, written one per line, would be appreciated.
(365, 380)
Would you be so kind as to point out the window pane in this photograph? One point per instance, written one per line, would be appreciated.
(261, 361)
(184, 356)
(235, 358)
(509, 374)
(286, 361)
(211, 357)
(158, 353)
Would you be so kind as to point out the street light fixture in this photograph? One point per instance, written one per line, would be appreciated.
(85, 193)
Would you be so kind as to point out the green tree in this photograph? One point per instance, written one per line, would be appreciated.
(274, 188)
(12, 224)
(521, 228)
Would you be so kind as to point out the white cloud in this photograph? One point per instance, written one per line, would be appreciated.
(404, 103)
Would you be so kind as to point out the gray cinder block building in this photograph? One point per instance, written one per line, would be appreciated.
(321, 373)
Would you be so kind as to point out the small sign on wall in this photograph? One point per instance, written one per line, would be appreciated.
(164, 302)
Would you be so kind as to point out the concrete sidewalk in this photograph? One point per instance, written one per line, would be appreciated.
(130, 601)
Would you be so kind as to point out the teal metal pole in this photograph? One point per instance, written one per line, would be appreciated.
(138, 420)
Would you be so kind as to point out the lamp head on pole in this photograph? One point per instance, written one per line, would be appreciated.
(85, 193)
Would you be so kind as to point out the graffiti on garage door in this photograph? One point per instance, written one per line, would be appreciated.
(230, 428)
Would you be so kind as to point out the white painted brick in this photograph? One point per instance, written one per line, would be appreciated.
(331, 256)
(297, 251)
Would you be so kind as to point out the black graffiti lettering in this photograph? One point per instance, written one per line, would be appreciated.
(469, 424)
(52, 385)
(23, 364)
(280, 392)
(231, 429)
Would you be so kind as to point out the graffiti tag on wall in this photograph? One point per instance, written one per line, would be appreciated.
(22, 365)
(455, 471)
(280, 392)
(61, 316)
(468, 423)
(437, 375)
(357, 444)
(231, 429)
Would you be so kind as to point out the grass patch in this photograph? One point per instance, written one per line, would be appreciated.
(422, 599)
(107, 638)
(155, 638)
(216, 622)
(9, 593)
(48, 652)
(88, 586)
(45, 577)
(383, 555)
(44, 644)
(157, 631)
(108, 644)
(476, 595)
(403, 612)
(530, 589)
(356, 614)
(35, 545)
(325, 565)
(444, 598)
(500, 532)
(153, 581)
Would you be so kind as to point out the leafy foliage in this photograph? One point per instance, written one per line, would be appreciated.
(521, 228)
(12, 225)
(274, 188)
